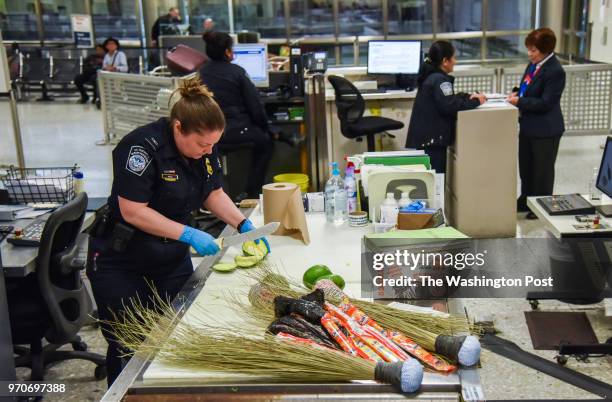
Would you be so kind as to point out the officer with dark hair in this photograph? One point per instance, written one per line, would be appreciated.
(434, 115)
(247, 122)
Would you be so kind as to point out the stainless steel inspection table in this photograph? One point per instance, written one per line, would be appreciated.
(146, 378)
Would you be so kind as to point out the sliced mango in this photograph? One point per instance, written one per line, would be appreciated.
(252, 248)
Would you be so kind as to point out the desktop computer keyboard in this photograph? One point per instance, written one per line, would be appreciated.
(30, 235)
(569, 204)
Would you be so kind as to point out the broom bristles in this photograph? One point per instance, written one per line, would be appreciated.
(202, 346)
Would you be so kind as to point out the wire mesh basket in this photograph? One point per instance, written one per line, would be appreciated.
(40, 185)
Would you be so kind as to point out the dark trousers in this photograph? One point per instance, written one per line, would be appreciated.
(88, 76)
(537, 158)
(437, 157)
(114, 285)
(262, 147)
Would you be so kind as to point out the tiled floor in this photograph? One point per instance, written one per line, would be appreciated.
(62, 133)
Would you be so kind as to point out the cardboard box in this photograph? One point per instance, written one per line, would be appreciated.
(420, 220)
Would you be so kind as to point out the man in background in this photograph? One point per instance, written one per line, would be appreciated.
(166, 25)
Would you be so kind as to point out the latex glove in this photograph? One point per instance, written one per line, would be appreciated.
(202, 242)
(247, 226)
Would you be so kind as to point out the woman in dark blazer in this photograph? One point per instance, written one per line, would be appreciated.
(540, 119)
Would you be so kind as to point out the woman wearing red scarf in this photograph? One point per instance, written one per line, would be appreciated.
(541, 122)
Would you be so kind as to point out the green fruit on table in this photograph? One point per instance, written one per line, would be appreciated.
(224, 267)
(247, 261)
(252, 248)
(337, 279)
(313, 273)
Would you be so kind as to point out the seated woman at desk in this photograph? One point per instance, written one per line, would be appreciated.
(246, 119)
(434, 115)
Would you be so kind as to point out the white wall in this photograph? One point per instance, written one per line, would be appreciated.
(600, 17)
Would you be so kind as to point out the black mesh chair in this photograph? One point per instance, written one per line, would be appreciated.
(53, 303)
(350, 106)
(65, 70)
(35, 71)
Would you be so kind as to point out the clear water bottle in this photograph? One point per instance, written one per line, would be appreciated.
(336, 210)
(593, 190)
(351, 189)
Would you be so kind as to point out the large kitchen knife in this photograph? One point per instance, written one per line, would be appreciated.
(237, 240)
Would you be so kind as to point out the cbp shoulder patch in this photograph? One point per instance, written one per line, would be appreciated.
(138, 160)
(447, 88)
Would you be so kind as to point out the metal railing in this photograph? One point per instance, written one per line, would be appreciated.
(587, 99)
(131, 100)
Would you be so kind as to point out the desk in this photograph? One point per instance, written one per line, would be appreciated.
(396, 105)
(141, 380)
(21, 261)
(562, 226)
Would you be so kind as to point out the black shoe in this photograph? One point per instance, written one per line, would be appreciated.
(83, 101)
(93, 101)
(531, 216)
(521, 205)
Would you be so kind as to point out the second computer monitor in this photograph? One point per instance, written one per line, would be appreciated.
(394, 57)
(253, 57)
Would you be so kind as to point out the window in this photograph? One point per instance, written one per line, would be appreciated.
(56, 18)
(18, 22)
(410, 17)
(311, 18)
(506, 15)
(114, 18)
(459, 15)
(200, 10)
(267, 18)
(360, 17)
(467, 49)
(510, 46)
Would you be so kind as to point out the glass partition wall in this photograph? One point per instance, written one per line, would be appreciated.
(481, 30)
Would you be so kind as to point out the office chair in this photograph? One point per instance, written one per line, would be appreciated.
(350, 106)
(53, 302)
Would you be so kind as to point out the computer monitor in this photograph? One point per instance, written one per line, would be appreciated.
(604, 178)
(394, 57)
(253, 57)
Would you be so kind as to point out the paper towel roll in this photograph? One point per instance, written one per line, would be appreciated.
(282, 202)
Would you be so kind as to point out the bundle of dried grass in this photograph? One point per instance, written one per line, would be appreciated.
(201, 346)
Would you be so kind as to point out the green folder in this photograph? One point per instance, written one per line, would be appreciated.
(398, 160)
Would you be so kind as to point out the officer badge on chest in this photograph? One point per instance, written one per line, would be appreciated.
(209, 168)
(169, 175)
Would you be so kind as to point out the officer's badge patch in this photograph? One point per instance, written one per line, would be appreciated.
(138, 160)
(447, 88)
(209, 168)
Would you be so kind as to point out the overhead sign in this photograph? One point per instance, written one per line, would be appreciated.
(82, 30)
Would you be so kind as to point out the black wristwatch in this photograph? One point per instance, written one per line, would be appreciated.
(239, 227)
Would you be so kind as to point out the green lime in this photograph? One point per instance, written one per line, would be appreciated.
(247, 261)
(224, 267)
(337, 279)
(313, 273)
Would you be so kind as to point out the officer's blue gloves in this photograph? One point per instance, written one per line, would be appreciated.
(247, 226)
(202, 242)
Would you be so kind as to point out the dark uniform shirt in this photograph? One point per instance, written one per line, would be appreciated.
(235, 94)
(434, 115)
(147, 167)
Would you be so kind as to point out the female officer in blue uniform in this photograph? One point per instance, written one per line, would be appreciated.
(434, 115)
(162, 172)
